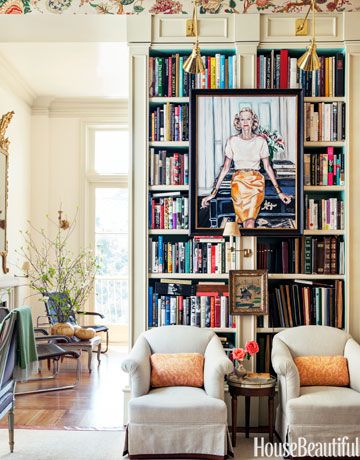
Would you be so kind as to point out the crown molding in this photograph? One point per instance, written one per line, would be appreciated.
(81, 108)
(13, 81)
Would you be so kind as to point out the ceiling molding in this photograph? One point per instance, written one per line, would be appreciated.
(12, 80)
(81, 108)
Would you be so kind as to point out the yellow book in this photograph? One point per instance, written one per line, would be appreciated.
(331, 70)
(213, 72)
(326, 77)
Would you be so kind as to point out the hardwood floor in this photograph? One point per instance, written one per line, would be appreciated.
(96, 403)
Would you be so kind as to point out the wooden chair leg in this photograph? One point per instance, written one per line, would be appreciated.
(11, 429)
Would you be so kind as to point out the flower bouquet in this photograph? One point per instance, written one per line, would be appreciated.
(239, 354)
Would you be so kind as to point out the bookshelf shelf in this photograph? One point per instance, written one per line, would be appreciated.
(324, 232)
(324, 188)
(169, 232)
(163, 144)
(164, 100)
(168, 188)
(324, 144)
(303, 276)
(269, 330)
(190, 276)
(324, 99)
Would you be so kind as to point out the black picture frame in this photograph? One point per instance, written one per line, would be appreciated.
(287, 219)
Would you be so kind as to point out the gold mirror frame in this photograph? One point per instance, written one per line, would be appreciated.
(4, 150)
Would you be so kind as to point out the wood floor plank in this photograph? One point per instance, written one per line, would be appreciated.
(96, 403)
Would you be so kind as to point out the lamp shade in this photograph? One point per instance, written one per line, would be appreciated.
(194, 63)
(231, 229)
(309, 61)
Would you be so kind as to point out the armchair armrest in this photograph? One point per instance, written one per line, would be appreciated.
(217, 365)
(286, 370)
(90, 313)
(42, 324)
(53, 338)
(137, 365)
(352, 353)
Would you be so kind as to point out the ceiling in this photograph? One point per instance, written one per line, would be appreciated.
(66, 70)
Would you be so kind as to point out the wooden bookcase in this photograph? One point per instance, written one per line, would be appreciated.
(246, 36)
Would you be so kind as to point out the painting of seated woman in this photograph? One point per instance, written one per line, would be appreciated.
(246, 161)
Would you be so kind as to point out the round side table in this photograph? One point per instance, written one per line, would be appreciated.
(248, 387)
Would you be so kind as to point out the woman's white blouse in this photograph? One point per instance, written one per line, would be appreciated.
(246, 153)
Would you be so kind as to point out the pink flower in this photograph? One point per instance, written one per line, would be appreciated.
(252, 347)
(239, 354)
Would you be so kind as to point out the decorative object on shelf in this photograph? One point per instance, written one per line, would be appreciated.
(247, 166)
(309, 61)
(55, 271)
(4, 168)
(239, 354)
(231, 229)
(248, 292)
(193, 63)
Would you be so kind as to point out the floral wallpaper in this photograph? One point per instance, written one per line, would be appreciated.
(171, 6)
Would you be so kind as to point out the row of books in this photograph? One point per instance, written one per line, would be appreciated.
(200, 311)
(168, 78)
(197, 255)
(169, 122)
(276, 69)
(263, 357)
(300, 304)
(168, 168)
(309, 255)
(324, 213)
(324, 168)
(324, 121)
(176, 302)
(168, 210)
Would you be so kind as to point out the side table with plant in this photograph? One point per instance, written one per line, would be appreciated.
(240, 354)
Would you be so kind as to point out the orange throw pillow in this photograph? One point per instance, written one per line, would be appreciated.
(177, 369)
(323, 370)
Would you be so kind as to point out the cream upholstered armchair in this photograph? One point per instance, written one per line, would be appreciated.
(166, 422)
(316, 413)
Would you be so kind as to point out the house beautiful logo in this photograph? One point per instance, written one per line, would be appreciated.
(338, 447)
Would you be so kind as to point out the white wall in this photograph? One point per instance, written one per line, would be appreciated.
(18, 132)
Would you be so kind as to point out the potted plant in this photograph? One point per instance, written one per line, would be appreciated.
(63, 278)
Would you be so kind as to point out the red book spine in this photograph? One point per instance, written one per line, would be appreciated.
(212, 311)
(284, 69)
(217, 311)
(152, 214)
(162, 210)
(213, 258)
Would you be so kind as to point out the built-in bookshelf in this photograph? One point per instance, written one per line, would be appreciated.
(307, 275)
(187, 276)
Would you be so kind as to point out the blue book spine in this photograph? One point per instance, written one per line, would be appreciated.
(150, 307)
(230, 70)
(187, 257)
(222, 71)
(338, 168)
(167, 311)
(160, 253)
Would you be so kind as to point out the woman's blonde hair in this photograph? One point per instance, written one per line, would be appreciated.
(255, 120)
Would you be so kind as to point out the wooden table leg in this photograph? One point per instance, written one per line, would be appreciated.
(234, 419)
(247, 415)
(271, 418)
(99, 353)
(89, 359)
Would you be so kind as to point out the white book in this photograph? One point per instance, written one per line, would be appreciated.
(227, 257)
(173, 310)
(203, 311)
(154, 264)
(223, 311)
(217, 70)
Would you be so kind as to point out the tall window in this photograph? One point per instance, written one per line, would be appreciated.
(107, 175)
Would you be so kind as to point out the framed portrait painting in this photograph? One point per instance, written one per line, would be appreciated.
(248, 292)
(246, 152)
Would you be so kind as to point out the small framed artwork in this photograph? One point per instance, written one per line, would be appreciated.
(248, 292)
(246, 150)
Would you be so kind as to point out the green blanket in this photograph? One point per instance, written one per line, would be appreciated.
(26, 347)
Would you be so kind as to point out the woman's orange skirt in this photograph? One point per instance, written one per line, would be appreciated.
(247, 193)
